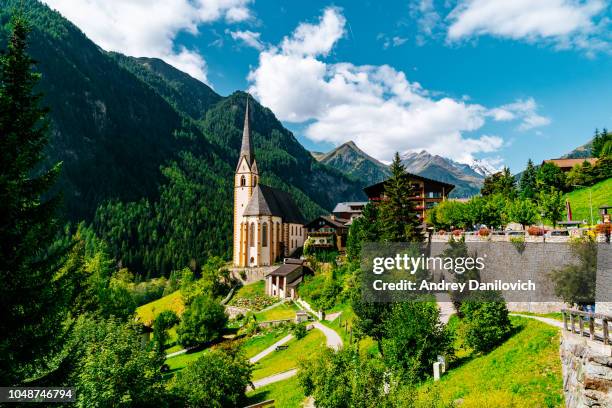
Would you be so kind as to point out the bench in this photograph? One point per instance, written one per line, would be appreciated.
(279, 348)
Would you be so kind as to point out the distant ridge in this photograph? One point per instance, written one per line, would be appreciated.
(354, 162)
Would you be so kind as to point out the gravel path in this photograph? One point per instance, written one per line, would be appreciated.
(334, 340)
(270, 349)
(547, 320)
(273, 378)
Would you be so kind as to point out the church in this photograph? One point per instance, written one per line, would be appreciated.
(268, 225)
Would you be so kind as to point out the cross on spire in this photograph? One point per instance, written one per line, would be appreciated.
(247, 147)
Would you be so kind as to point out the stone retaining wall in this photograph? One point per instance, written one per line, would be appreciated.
(587, 372)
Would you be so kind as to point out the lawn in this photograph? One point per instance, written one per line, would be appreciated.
(258, 343)
(283, 360)
(525, 371)
(148, 312)
(252, 296)
(579, 200)
(179, 362)
(283, 311)
(286, 394)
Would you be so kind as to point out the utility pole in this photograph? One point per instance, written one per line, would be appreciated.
(590, 198)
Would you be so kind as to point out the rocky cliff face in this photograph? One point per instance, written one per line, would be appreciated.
(467, 179)
(587, 372)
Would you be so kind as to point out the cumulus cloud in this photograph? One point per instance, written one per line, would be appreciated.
(525, 110)
(249, 38)
(376, 106)
(565, 22)
(149, 27)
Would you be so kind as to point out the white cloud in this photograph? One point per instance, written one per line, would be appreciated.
(149, 27)
(566, 23)
(376, 106)
(316, 39)
(525, 110)
(395, 41)
(250, 38)
(427, 18)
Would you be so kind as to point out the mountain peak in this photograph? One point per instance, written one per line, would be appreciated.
(351, 160)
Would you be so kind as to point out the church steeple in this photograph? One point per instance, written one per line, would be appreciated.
(246, 150)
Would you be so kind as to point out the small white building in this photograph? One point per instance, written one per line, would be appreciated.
(283, 281)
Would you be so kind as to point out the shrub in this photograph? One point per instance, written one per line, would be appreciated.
(413, 337)
(163, 322)
(202, 322)
(603, 228)
(217, 379)
(299, 331)
(458, 232)
(442, 232)
(486, 321)
(484, 232)
(535, 231)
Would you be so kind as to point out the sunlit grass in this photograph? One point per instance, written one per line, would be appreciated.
(525, 371)
(283, 360)
(148, 312)
(283, 311)
(286, 394)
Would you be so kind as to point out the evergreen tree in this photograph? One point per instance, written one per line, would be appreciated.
(30, 298)
(550, 175)
(502, 182)
(599, 141)
(397, 215)
(527, 184)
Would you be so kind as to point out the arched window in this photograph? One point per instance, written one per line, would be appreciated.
(242, 181)
(252, 235)
(264, 234)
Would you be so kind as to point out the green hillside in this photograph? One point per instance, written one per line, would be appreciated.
(579, 200)
(525, 371)
(149, 152)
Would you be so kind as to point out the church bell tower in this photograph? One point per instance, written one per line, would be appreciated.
(245, 180)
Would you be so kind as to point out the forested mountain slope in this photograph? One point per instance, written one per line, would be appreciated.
(149, 153)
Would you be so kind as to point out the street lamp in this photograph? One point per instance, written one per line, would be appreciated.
(590, 199)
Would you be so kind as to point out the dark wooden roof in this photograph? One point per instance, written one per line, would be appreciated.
(338, 223)
(271, 201)
(370, 190)
(285, 269)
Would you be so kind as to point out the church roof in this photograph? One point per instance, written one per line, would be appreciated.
(246, 149)
(271, 201)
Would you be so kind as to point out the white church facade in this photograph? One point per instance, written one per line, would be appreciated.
(268, 225)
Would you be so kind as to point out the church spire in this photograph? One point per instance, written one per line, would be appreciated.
(247, 148)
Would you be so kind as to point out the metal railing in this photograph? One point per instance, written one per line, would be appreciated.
(597, 323)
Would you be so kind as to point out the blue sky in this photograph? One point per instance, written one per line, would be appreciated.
(494, 80)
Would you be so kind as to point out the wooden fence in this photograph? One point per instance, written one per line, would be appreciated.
(597, 323)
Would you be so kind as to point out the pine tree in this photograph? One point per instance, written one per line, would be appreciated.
(397, 215)
(31, 303)
(527, 184)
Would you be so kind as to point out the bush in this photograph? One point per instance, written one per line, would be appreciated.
(535, 231)
(217, 379)
(413, 337)
(299, 331)
(484, 232)
(457, 232)
(163, 322)
(202, 322)
(603, 228)
(486, 321)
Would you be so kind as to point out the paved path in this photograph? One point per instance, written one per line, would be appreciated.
(270, 349)
(332, 316)
(447, 309)
(547, 320)
(176, 353)
(334, 340)
(272, 379)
